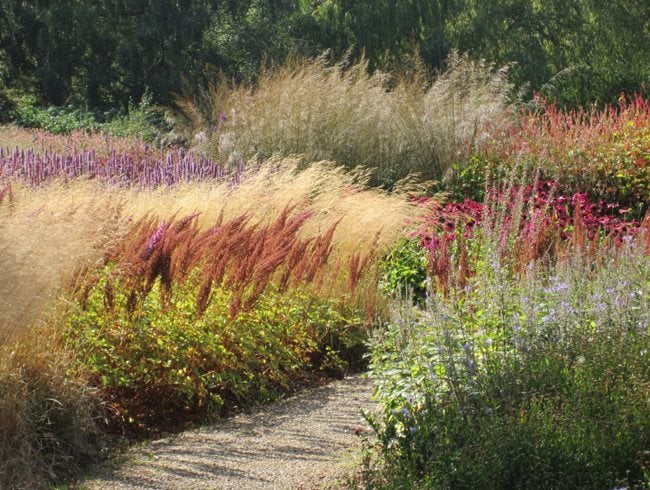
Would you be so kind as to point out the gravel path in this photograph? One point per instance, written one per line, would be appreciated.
(303, 442)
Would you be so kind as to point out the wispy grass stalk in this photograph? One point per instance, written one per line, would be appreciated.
(344, 114)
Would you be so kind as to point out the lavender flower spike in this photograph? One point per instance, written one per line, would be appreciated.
(155, 239)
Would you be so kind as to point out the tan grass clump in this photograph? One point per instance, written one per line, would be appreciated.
(330, 193)
(346, 115)
(47, 426)
(40, 140)
(48, 235)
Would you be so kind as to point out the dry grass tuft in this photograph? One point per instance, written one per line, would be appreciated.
(40, 141)
(343, 114)
(48, 429)
(48, 235)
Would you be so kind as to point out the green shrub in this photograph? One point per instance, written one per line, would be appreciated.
(538, 380)
(163, 365)
(404, 270)
(57, 120)
(144, 121)
(468, 179)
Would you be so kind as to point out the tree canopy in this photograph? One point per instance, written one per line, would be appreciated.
(109, 53)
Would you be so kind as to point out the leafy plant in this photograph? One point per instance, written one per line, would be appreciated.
(183, 324)
(56, 120)
(602, 152)
(530, 381)
(145, 122)
(404, 270)
(160, 367)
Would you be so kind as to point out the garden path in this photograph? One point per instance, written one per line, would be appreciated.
(302, 442)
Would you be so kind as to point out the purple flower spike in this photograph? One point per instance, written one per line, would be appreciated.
(123, 169)
(155, 239)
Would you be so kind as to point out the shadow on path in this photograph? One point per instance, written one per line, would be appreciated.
(299, 442)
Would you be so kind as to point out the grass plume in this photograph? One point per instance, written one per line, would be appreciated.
(49, 233)
(344, 114)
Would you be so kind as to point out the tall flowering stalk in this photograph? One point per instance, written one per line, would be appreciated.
(237, 256)
(141, 169)
(522, 224)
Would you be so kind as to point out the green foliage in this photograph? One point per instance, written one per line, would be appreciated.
(404, 270)
(101, 53)
(163, 365)
(535, 382)
(468, 179)
(105, 54)
(575, 52)
(56, 120)
(144, 121)
(384, 31)
(255, 33)
(622, 167)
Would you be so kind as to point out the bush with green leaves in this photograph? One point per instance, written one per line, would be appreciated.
(183, 323)
(144, 121)
(531, 380)
(56, 120)
(404, 270)
(603, 152)
(160, 366)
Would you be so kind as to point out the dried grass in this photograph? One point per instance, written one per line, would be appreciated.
(48, 235)
(48, 429)
(344, 114)
(40, 141)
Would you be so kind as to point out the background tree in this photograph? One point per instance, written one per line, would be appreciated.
(110, 53)
(575, 51)
(385, 30)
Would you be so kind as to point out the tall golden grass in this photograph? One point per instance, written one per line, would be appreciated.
(40, 140)
(47, 419)
(344, 114)
(49, 234)
(46, 236)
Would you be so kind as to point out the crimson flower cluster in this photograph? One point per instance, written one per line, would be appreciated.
(540, 206)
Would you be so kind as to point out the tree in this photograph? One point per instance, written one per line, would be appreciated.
(575, 51)
(385, 30)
